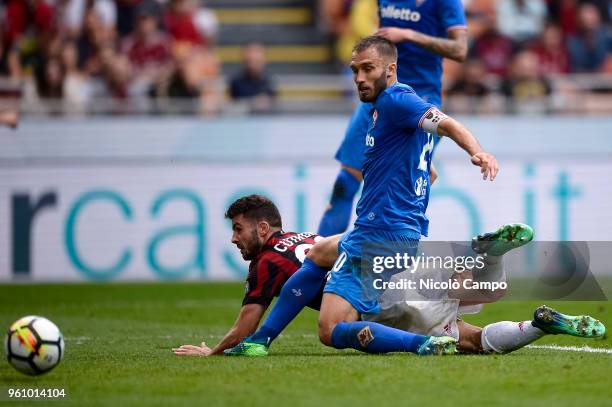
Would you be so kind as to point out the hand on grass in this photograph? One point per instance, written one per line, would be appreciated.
(193, 350)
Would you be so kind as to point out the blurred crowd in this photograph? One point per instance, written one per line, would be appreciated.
(126, 51)
(516, 46)
(129, 55)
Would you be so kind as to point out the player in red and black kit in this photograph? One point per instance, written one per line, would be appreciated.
(280, 257)
(274, 254)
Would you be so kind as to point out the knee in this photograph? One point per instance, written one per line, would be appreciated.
(324, 253)
(317, 255)
(325, 332)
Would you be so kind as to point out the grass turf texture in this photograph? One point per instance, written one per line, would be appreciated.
(118, 340)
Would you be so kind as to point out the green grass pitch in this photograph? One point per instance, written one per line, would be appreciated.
(118, 340)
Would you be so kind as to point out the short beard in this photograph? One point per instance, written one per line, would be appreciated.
(380, 84)
(252, 248)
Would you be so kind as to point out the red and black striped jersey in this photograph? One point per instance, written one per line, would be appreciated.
(281, 256)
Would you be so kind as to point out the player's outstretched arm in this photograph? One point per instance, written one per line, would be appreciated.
(454, 47)
(454, 130)
(246, 323)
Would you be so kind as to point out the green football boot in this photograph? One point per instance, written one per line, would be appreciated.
(249, 347)
(504, 239)
(438, 345)
(553, 322)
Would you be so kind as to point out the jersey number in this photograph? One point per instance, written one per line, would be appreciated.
(301, 251)
(339, 261)
(428, 147)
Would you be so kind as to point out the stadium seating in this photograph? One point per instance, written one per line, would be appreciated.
(286, 27)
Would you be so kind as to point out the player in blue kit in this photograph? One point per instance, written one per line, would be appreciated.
(391, 211)
(425, 31)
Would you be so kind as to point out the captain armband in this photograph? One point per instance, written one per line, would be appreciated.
(430, 120)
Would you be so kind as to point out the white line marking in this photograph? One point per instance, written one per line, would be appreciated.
(586, 349)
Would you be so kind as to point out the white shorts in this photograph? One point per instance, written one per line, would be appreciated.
(437, 318)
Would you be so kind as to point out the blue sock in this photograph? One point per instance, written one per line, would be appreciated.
(299, 290)
(336, 219)
(373, 337)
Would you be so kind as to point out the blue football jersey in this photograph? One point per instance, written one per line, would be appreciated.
(418, 67)
(397, 159)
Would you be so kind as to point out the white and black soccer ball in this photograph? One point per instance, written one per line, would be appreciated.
(34, 345)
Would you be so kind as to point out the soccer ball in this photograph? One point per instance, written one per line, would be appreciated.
(34, 345)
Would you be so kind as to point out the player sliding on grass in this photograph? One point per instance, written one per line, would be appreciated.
(275, 255)
(391, 213)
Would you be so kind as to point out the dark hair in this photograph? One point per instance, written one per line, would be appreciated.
(256, 207)
(384, 47)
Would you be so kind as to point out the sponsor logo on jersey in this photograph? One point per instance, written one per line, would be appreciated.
(369, 140)
(397, 13)
(365, 336)
(297, 293)
(420, 186)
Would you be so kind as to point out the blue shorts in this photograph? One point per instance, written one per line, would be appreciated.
(352, 276)
(352, 150)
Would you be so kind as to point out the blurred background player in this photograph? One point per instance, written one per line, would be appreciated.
(425, 32)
